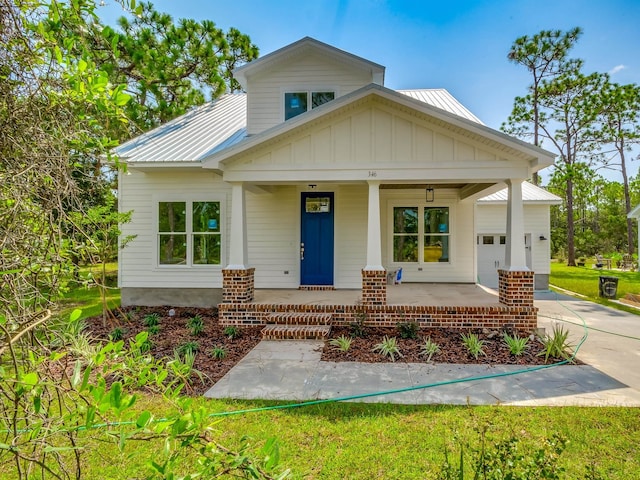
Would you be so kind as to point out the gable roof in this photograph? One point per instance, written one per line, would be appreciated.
(537, 157)
(220, 124)
(304, 46)
(530, 194)
(635, 212)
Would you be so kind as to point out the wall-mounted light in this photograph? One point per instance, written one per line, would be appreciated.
(542, 237)
(429, 193)
(312, 186)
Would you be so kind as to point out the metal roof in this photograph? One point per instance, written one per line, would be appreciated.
(222, 123)
(441, 98)
(530, 193)
(192, 136)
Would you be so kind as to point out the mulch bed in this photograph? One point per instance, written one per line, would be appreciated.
(173, 332)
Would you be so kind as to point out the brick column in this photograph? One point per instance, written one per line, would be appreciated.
(515, 288)
(374, 287)
(237, 285)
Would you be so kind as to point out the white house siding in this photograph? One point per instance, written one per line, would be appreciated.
(265, 98)
(491, 219)
(273, 233)
(141, 192)
(350, 235)
(461, 238)
(372, 135)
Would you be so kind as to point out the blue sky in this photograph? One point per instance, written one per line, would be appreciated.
(457, 45)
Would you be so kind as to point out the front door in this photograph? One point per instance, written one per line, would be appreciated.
(316, 239)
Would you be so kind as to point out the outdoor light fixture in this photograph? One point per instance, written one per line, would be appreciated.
(542, 237)
(312, 186)
(430, 193)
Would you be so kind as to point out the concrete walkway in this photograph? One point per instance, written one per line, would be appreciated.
(293, 370)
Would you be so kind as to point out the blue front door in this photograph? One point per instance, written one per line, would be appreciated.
(316, 239)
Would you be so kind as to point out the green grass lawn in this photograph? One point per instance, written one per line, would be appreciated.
(585, 281)
(366, 441)
(85, 295)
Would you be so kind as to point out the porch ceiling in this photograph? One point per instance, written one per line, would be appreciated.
(426, 294)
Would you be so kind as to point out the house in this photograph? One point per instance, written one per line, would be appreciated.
(319, 179)
(491, 234)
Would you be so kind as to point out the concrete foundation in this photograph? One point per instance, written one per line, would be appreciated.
(175, 297)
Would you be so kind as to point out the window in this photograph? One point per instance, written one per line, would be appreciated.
(487, 240)
(296, 103)
(189, 233)
(421, 241)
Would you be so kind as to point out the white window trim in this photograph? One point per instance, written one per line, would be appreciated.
(308, 90)
(189, 199)
(410, 202)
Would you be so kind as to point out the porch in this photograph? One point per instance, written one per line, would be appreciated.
(461, 306)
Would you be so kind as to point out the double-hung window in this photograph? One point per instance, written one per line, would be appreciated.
(189, 233)
(296, 103)
(421, 234)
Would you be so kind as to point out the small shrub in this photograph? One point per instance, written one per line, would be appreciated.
(473, 344)
(196, 325)
(357, 328)
(128, 316)
(153, 329)
(342, 343)
(388, 348)
(218, 352)
(408, 329)
(517, 345)
(429, 349)
(556, 345)
(232, 332)
(190, 347)
(116, 334)
(151, 319)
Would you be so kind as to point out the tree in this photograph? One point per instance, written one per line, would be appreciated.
(545, 56)
(167, 67)
(620, 128)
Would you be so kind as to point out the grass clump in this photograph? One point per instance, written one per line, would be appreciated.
(388, 348)
(190, 347)
(517, 345)
(218, 352)
(232, 332)
(342, 343)
(474, 344)
(429, 348)
(556, 345)
(151, 319)
(196, 325)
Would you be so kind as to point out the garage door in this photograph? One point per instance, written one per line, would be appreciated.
(491, 253)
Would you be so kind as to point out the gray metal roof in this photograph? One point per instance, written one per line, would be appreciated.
(530, 193)
(441, 98)
(222, 123)
(192, 136)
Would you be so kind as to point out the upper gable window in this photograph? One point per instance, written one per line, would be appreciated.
(296, 103)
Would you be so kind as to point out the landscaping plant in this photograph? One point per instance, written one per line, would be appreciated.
(232, 332)
(429, 349)
(556, 345)
(473, 344)
(342, 343)
(196, 325)
(517, 345)
(388, 348)
(151, 319)
(188, 347)
(218, 352)
(408, 329)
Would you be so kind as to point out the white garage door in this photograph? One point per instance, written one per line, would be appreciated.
(491, 252)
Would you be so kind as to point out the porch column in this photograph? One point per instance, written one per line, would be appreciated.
(374, 276)
(515, 281)
(237, 277)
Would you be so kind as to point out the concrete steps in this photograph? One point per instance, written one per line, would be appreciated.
(297, 326)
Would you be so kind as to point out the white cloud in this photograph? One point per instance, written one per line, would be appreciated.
(616, 69)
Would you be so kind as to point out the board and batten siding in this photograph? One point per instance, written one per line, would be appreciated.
(141, 192)
(492, 219)
(460, 269)
(265, 92)
(373, 135)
